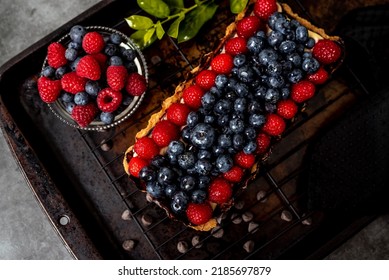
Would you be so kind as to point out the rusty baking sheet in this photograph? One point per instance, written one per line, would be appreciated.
(77, 176)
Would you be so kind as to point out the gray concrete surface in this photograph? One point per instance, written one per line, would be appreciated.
(25, 232)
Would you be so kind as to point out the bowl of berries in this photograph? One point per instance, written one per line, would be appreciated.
(93, 78)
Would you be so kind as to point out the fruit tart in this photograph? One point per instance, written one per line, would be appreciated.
(205, 144)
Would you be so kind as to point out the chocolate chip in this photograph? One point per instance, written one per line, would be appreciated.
(182, 247)
(248, 246)
(128, 245)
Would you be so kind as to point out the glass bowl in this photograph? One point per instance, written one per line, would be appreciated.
(58, 107)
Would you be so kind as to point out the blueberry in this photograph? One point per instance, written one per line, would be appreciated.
(175, 147)
(270, 107)
(295, 76)
(290, 35)
(147, 174)
(246, 74)
(274, 68)
(203, 182)
(198, 196)
(272, 19)
(310, 43)
(254, 107)
(295, 58)
(48, 72)
(81, 98)
(77, 33)
(250, 148)
(69, 106)
(71, 54)
(186, 160)
(237, 125)
(115, 60)
(130, 66)
(155, 189)
(115, 38)
(241, 89)
(239, 60)
(238, 141)
(166, 176)
(66, 96)
(275, 38)
(287, 46)
(240, 104)
(267, 55)
(287, 66)
(250, 132)
(92, 88)
(172, 158)
(301, 34)
(261, 34)
(203, 166)
(210, 119)
(179, 202)
(208, 100)
(60, 72)
(73, 64)
(203, 136)
(204, 154)
(224, 141)
(128, 54)
(192, 119)
(256, 120)
(187, 183)
(255, 44)
(217, 151)
(310, 65)
(74, 45)
(186, 133)
(282, 25)
(221, 81)
(276, 82)
(285, 92)
(158, 161)
(170, 190)
(272, 96)
(260, 92)
(127, 99)
(110, 49)
(223, 120)
(224, 163)
(223, 106)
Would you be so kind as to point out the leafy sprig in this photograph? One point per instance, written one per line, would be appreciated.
(171, 17)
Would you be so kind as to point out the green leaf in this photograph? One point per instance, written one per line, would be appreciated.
(159, 29)
(139, 22)
(175, 5)
(192, 23)
(156, 8)
(236, 6)
(174, 27)
(144, 38)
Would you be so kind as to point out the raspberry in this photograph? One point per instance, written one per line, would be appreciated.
(263, 143)
(146, 148)
(73, 83)
(286, 109)
(88, 68)
(136, 84)
(101, 59)
(234, 175)
(56, 55)
(219, 191)
(93, 42)
(244, 160)
(222, 63)
(236, 45)
(192, 96)
(84, 114)
(108, 100)
(164, 132)
(49, 90)
(116, 77)
(326, 51)
(302, 91)
(264, 8)
(199, 214)
(274, 125)
(248, 26)
(135, 165)
(206, 79)
(319, 77)
(177, 113)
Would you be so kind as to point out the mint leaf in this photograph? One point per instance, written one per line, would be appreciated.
(139, 22)
(175, 5)
(236, 6)
(174, 27)
(159, 29)
(193, 22)
(144, 38)
(156, 8)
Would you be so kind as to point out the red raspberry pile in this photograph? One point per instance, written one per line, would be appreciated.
(227, 118)
(94, 76)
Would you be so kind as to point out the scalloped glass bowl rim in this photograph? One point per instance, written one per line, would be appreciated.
(57, 107)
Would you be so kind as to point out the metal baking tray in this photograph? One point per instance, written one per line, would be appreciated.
(78, 179)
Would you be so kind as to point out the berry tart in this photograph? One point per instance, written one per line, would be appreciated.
(205, 144)
(93, 78)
